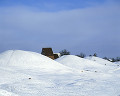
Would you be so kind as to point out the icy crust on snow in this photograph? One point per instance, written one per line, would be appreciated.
(24, 73)
(86, 64)
(26, 59)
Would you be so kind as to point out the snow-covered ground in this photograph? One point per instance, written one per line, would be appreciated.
(117, 63)
(24, 73)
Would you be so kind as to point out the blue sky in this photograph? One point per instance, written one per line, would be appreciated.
(42, 3)
(88, 26)
(52, 5)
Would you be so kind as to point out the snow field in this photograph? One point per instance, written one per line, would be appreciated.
(24, 73)
(90, 64)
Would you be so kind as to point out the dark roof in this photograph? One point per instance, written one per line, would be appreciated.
(47, 51)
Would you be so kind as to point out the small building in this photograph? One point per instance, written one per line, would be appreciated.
(49, 53)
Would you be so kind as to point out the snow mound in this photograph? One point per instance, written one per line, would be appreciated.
(84, 64)
(100, 60)
(21, 75)
(26, 59)
(79, 63)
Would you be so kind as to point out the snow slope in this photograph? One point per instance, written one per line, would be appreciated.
(24, 73)
(100, 60)
(85, 64)
(117, 63)
(30, 60)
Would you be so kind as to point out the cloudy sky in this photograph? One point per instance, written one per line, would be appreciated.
(88, 26)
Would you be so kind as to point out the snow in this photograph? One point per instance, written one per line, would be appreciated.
(118, 63)
(25, 59)
(100, 60)
(88, 64)
(25, 73)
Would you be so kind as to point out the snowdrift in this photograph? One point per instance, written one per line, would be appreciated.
(24, 73)
(100, 60)
(31, 60)
(89, 64)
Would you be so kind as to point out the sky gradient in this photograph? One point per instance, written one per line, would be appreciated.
(87, 26)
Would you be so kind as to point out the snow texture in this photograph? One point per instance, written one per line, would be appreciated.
(24, 73)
